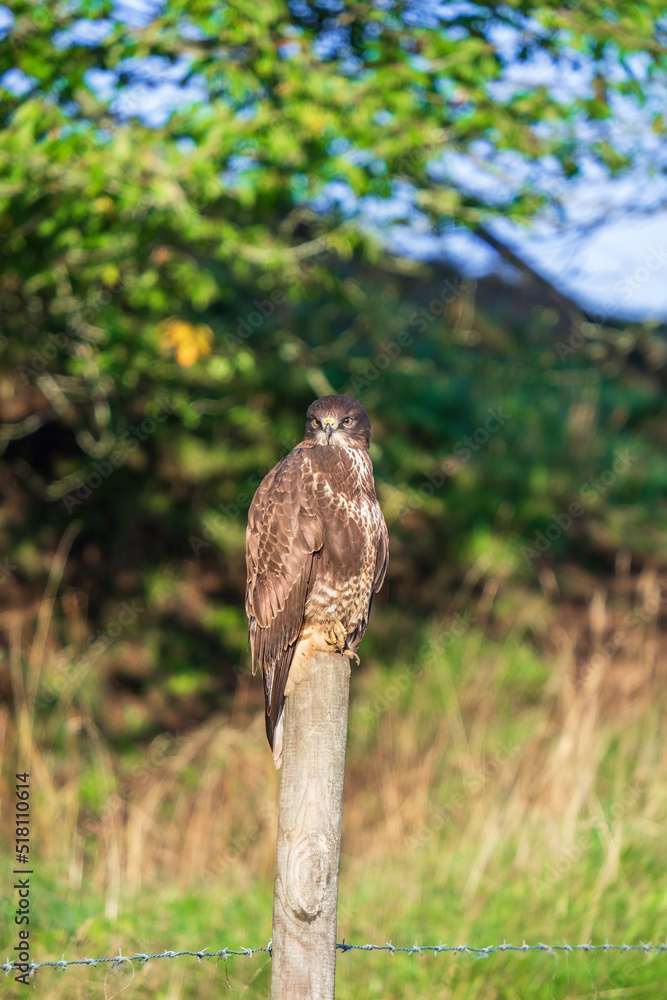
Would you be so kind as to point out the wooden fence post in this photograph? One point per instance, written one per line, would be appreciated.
(310, 813)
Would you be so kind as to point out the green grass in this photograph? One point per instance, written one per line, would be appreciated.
(420, 901)
(488, 799)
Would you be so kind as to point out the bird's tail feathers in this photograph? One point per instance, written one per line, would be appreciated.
(277, 747)
(274, 690)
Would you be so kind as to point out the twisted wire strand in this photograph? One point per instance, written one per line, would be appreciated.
(416, 949)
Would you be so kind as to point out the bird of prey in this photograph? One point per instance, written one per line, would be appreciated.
(316, 552)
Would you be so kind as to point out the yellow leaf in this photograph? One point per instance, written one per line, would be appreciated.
(190, 342)
(103, 204)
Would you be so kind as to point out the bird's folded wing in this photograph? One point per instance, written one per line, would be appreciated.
(382, 556)
(284, 532)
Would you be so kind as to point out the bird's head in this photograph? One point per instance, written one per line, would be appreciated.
(338, 420)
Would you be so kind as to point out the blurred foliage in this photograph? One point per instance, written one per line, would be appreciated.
(173, 297)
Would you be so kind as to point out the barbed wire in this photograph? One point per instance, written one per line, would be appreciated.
(143, 957)
(416, 949)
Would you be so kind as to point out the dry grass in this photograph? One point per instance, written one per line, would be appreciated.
(492, 764)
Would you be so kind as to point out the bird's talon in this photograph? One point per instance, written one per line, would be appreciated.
(352, 655)
(337, 636)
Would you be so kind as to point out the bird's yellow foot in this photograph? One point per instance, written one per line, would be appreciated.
(336, 636)
(351, 653)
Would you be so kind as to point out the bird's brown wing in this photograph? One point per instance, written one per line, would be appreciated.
(382, 556)
(284, 533)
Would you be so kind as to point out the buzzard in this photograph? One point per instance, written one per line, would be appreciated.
(316, 552)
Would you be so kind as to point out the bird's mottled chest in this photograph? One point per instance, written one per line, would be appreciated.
(351, 520)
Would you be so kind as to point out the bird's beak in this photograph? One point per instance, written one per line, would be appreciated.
(328, 427)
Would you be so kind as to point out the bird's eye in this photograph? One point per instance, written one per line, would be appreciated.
(347, 421)
(315, 422)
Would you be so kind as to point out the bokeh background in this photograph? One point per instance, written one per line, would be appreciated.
(210, 214)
